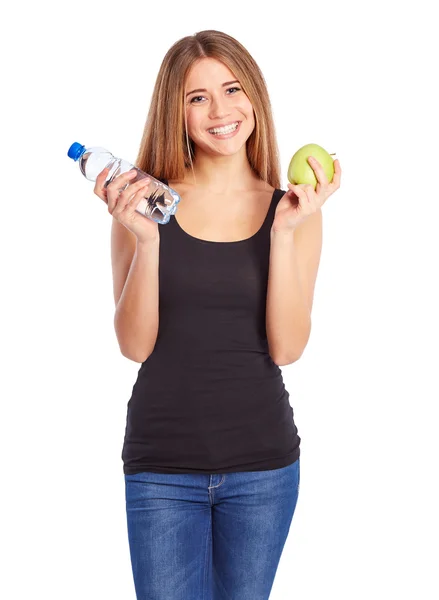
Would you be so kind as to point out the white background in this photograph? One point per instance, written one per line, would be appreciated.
(357, 78)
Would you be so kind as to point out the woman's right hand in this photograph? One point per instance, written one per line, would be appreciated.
(122, 205)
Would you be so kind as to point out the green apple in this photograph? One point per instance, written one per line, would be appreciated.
(300, 171)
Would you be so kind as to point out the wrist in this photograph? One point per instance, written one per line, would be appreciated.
(282, 233)
(148, 243)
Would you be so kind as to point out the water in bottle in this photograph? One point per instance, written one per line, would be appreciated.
(160, 200)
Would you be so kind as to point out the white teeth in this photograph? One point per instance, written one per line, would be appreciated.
(227, 129)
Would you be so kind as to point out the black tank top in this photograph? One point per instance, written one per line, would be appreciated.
(209, 398)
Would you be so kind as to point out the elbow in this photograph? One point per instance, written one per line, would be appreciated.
(134, 354)
(130, 345)
(282, 361)
(138, 358)
(288, 356)
(288, 349)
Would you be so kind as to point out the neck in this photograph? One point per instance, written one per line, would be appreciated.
(222, 174)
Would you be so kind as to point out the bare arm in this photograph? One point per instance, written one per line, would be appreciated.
(288, 319)
(136, 290)
(294, 263)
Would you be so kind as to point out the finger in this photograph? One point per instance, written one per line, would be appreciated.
(117, 203)
(99, 189)
(308, 197)
(121, 181)
(297, 190)
(131, 196)
(337, 174)
(298, 197)
(115, 192)
(135, 200)
(103, 174)
(318, 170)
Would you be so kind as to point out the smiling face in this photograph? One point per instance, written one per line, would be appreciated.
(217, 105)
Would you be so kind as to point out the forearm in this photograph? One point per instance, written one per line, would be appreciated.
(136, 318)
(288, 318)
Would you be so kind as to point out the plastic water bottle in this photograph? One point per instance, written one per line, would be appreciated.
(160, 200)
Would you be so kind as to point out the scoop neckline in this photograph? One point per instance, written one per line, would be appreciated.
(200, 240)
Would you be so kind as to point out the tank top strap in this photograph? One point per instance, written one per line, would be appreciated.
(277, 195)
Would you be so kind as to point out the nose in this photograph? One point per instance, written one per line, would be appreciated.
(218, 108)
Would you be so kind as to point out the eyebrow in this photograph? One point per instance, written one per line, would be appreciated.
(204, 90)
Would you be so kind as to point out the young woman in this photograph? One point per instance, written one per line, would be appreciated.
(211, 304)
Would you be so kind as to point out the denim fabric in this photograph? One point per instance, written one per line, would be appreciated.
(209, 537)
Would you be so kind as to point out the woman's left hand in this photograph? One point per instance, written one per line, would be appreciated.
(302, 200)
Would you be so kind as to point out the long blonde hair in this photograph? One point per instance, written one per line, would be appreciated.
(165, 149)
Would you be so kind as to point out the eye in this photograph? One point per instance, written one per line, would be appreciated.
(196, 97)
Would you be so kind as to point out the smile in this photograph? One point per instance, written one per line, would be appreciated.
(227, 131)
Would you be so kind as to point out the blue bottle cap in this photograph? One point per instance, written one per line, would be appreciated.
(76, 150)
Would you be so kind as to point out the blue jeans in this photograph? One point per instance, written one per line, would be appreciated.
(209, 537)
